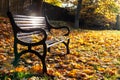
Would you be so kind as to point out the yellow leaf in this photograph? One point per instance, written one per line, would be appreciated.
(88, 71)
(20, 69)
(36, 68)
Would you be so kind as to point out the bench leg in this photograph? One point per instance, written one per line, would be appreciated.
(15, 54)
(44, 66)
(67, 46)
(49, 49)
(43, 58)
(15, 61)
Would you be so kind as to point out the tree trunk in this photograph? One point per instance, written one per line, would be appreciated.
(77, 13)
(3, 7)
(36, 6)
(118, 22)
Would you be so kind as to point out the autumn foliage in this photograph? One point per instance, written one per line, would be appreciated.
(93, 55)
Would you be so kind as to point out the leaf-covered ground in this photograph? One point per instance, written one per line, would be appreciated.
(94, 55)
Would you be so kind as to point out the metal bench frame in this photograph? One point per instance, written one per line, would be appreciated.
(17, 29)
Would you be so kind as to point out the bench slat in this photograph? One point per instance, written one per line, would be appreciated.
(26, 40)
(21, 34)
(32, 28)
(29, 22)
(31, 25)
(27, 19)
(53, 42)
(24, 16)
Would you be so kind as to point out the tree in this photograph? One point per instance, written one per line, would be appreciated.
(36, 7)
(77, 13)
(54, 2)
(3, 7)
(108, 8)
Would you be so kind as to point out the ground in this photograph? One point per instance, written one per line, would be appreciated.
(94, 55)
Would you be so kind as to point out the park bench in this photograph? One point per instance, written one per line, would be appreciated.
(24, 27)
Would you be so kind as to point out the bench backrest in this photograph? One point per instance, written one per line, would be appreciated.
(29, 22)
(26, 22)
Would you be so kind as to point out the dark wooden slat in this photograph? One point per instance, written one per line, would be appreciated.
(26, 22)
(53, 42)
(24, 16)
(26, 39)
(31, 25)
(28, 19)
(25, 34)
(32, 28)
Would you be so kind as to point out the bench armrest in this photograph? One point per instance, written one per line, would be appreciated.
(52, 27)
(62, 27)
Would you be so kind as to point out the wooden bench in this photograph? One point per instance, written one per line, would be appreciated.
(25, 26)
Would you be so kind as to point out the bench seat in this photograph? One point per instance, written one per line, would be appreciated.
(29, 38)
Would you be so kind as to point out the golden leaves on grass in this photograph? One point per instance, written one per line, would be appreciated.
(93, 55)
(5, 28)
(99, 49)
